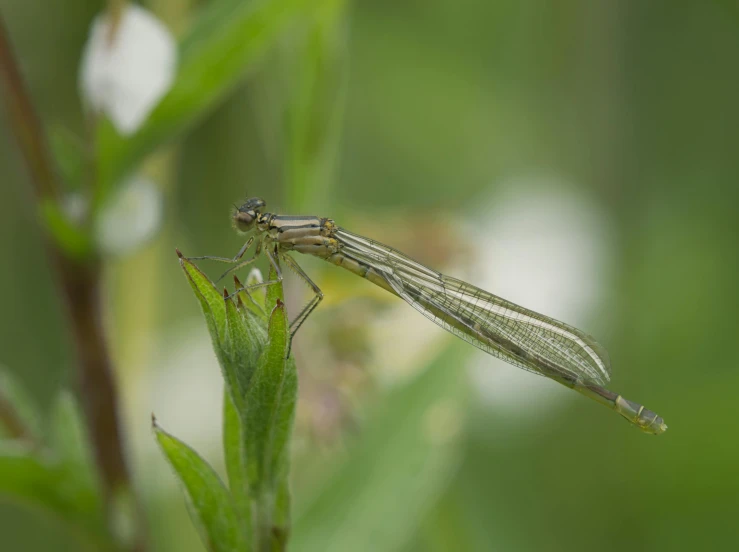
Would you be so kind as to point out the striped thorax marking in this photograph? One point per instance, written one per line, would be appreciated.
(308, 235)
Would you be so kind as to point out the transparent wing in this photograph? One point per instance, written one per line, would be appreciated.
(503, 329)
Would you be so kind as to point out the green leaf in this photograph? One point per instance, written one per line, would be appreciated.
(74, 240)
(281, 518)
(234, 454)
(238, 335)
(61, 483)
(393, 476)
(72, 448)
(245, 337)
(34, 480)
(69, 437)
(211, 506)
(25, 476)
(268, 422)
(19, 417)
(223, 43)
(71, 156)
(274, 294)
(211, 301)
(271, 399)
(261, 394)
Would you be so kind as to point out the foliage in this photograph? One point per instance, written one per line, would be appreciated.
(259, 408)
(51, 471)
(223, 43)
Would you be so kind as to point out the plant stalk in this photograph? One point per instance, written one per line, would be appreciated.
(79, 283)
(263, 507)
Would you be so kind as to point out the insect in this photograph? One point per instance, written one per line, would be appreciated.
(519, 336)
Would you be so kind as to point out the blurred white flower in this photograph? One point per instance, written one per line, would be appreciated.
(543, 246)
(130, 218)
(127, 77)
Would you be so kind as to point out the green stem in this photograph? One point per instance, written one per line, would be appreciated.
(79, 284)
(263, 523)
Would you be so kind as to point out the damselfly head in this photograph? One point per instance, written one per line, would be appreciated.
(244, 216)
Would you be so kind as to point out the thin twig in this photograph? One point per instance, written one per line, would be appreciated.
(25, 124)
(79, 284)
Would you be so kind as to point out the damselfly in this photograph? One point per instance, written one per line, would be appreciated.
(524, 338)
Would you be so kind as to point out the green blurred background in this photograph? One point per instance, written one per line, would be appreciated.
(579, 157)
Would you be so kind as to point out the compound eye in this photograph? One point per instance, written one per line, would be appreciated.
(244, 221)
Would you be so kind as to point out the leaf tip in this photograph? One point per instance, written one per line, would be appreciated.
(154, 424)
(179, 253)
(237, 282)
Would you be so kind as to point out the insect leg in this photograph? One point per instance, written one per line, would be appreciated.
(310, 307)
(270, 257)
(233, 260)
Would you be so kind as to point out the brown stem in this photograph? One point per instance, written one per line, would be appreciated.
(24, 122)
(79, 284)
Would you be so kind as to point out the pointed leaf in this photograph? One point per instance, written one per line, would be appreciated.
(75, 457)
(270, 405)
(69, 438)
(270, 416)
(210, 299)
(274, 293)
(245, 337)
(211, 505)
(261, 393)
(265, 432)
(71, 155)
(238, 336)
